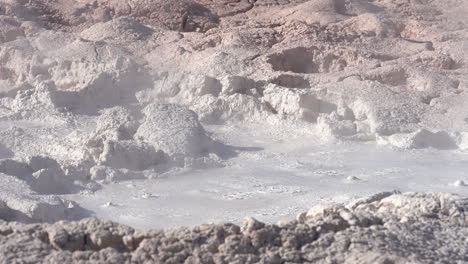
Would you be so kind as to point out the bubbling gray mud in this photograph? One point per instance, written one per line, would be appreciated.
(275, 180)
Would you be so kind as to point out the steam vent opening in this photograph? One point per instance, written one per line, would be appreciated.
(311, 60)
(298, 60)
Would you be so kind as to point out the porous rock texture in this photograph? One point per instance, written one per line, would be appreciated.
(383, 228)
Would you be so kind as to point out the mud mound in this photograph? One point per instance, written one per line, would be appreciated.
(175, 130)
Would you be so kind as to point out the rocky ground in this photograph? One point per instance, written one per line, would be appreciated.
(102, 91)
(384, 228)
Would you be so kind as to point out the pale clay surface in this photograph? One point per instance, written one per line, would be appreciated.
(98, 92)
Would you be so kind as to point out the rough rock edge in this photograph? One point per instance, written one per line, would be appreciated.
(384, 228)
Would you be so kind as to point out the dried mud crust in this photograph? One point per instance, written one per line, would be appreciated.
(186, 15)
(68, 15)
(383, 228)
